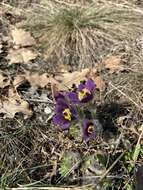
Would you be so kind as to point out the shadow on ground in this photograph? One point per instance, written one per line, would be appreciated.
(108, 114)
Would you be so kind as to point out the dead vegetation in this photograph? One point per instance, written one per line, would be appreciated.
(81, 33)
(74, 34)
(106, 39)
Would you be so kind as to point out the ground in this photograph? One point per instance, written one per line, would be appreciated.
(36, 153)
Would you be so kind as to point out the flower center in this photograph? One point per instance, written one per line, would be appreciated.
(83, 93)
(67, 114)
(90, 128)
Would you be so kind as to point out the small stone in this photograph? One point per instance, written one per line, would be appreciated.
(47, 110)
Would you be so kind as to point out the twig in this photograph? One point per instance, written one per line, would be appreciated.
(137, 148)
(108, 170)
(121, 92)
(40, 101)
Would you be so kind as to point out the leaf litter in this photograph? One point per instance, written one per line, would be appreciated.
(13, 102)
(113, 63)
(22, 38)
(61, 82)
(4, 80)
(23, 47)
(22, 55)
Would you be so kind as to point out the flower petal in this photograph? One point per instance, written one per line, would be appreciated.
(74, 113)
(61, 122)
(81, 86)
(61, 104)
(87, 98)
(90, 85)
(86, 135)
(59, 95)
(73, 97)
(64, 103)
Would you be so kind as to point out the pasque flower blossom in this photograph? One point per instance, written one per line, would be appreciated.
(89, 129)
(84, 93)
(64, 113)
(69, 107)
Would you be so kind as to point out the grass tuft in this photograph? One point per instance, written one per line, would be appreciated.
(73, 33)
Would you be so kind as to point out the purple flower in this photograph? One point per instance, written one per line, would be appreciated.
(64, 113)
(84, 92)
(59, 95)
(88, 129)
(73, 97)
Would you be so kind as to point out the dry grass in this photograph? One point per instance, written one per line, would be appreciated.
(82, 32)
(31, 150)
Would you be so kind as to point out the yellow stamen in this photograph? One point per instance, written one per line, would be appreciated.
(67, 114)
(90, 129)
(83, 93)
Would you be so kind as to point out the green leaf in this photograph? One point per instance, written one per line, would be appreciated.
(69, 163)
(75, 132)
(136, 152)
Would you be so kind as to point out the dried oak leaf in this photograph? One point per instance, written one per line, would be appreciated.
(100, 83)
(38, 80)
(4, 80)
(64, 68)
(18, 80)
(60, 82)
(114, 64)
(22, 55)
(13, 104)
(22, 38)
(67, 79)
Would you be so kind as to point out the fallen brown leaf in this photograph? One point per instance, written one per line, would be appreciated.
(38, 80)
(22, 55)
(4, 80)
(66, 80)
(22, 38)
(100, 83)
(63, 81)
(64, 68)
(18, 80)
(114, 64)
(14, 104)
(60, 82)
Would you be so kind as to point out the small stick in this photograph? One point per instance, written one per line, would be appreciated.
(121, 92)
(107, 171)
